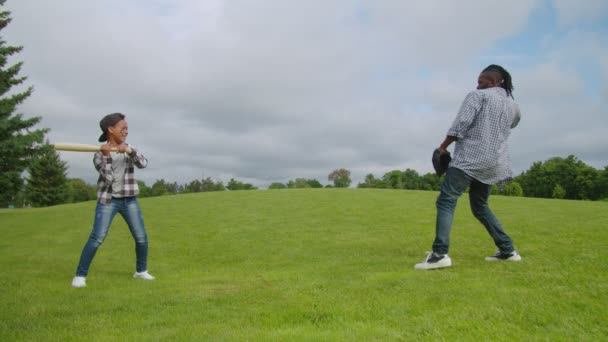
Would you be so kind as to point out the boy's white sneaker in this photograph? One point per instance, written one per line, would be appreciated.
(143, 275)
(79, 281)
(433, 261)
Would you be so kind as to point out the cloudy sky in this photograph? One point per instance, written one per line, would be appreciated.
(271, 90)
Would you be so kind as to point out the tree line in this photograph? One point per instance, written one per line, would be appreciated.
(557, 177)
(560, 178)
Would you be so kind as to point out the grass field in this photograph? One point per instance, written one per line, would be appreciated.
(323, 264)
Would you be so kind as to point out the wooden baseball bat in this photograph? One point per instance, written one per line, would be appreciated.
(79, 147)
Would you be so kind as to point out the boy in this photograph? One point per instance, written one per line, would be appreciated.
(116, 191)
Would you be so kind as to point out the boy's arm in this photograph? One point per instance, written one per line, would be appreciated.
(103, 165)
(138, 158)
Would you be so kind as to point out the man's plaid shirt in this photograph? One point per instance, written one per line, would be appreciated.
(103, 165)
(482, 128)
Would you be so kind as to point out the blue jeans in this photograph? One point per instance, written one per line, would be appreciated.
(104, 214)
(455, 184)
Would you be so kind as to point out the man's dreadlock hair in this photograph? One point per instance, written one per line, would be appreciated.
(507, 83)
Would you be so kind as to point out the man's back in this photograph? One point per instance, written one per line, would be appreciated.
(483, 126)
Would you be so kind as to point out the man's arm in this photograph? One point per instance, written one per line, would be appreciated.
(465, 118)
(448, 140)
(517, 116)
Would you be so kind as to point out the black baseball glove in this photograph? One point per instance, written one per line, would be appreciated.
(441, 161)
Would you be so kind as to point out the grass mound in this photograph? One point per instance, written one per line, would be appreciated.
(322, 264)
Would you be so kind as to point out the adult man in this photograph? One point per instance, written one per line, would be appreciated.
(480, 159)
(116, 190)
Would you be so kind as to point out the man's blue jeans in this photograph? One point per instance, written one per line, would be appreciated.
(104, 214)
(455, 184)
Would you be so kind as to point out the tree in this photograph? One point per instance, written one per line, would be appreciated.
(236, 185)
(18, 141)
(298, 183)
(513, 189)
(144, 190)
(79, 191)
(577, 179)
(159, 188)
(194, 186)
(340, 177)
(392, 179)
(430, 181)
(277, 185)
(172, 188)
(410, 179)
(301, 183)
(313, 183)
(602, 183)
(47, 182)
(372, 182)
(209, 185)
(587, 182)
(558, 192)
(206, 184)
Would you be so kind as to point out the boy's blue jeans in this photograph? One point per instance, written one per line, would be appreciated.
(454, 185)
(104, 214)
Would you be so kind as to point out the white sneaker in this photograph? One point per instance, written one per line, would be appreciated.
(79, 281)
(499, 256)
(433, 261)
(143, 275)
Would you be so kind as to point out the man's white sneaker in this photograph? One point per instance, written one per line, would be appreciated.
(79, 282)
(499, 256)
(433, 261)
(143, 275)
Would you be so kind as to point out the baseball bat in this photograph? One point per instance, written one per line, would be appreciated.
(79, 147)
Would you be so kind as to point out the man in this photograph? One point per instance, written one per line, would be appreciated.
(116, 191)
(480, 159)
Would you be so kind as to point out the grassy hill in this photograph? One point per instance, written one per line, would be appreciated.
(322, 264)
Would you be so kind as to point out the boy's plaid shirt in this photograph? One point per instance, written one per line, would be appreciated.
(103, 165)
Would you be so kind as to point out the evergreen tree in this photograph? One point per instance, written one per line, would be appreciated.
(18, 142)
(47, 183)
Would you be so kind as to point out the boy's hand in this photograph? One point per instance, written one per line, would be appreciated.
(105, 149)
(123, 148)
(109, 147)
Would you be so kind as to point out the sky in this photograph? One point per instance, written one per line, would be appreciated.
(268, 91)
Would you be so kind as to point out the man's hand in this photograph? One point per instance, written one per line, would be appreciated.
(444, 145)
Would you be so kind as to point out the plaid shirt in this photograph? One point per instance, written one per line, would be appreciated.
(482, 128)
(103, 165)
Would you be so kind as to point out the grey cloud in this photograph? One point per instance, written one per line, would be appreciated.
(274, 90)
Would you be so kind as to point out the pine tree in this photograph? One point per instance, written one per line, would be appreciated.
(47, 183)
(18, 142)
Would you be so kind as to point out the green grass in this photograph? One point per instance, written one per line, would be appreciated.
(326, 264)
